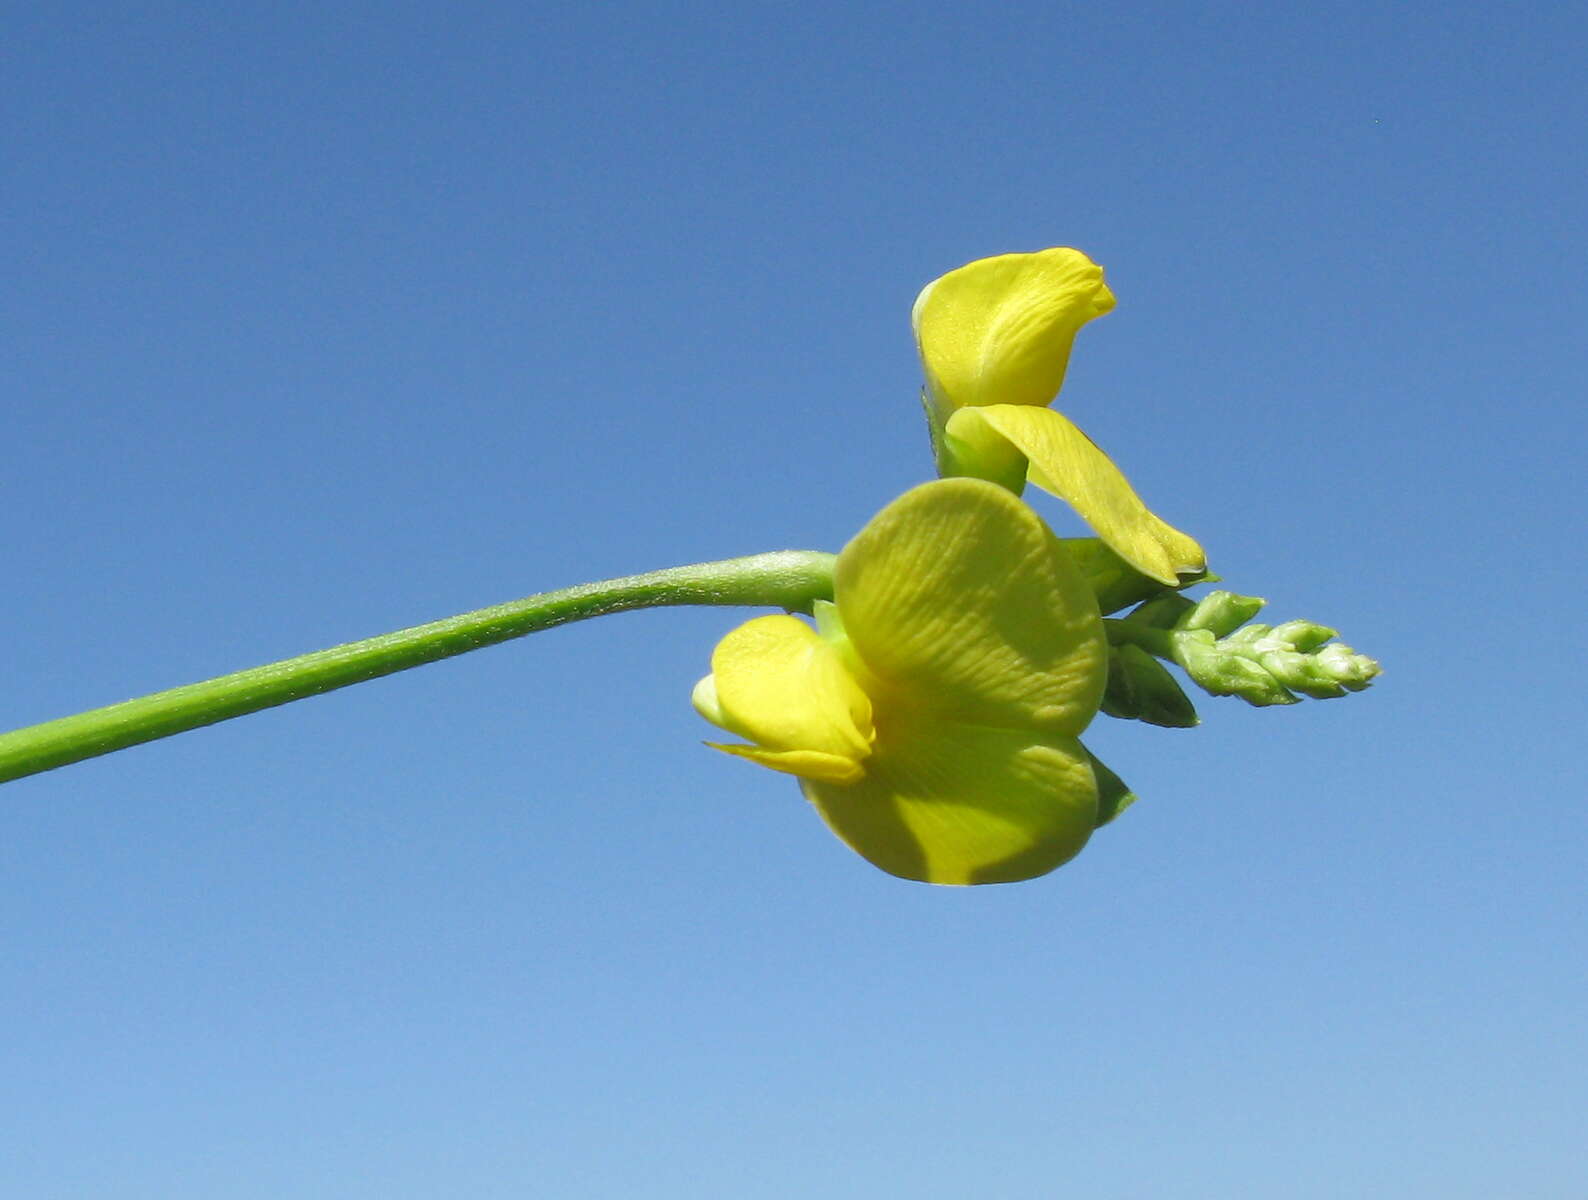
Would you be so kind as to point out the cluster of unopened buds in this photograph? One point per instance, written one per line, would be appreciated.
(1224, 656)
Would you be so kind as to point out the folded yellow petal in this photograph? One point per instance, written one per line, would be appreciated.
(808, 764)
(958, 600)
(1066, 462)
(961, 805)
(999, 330)
(775, 682)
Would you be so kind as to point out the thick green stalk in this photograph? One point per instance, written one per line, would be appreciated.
(1122, 632)
(789, 579)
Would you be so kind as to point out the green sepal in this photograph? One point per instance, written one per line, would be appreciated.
(1140, 688)
(1113, 796)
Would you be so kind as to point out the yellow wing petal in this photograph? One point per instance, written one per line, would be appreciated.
(957, 599)
(999, 330)
(959, 805)
(775, 682)
(1067, 463)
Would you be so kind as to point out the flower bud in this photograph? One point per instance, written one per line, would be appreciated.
(1140, 688)
(1304, 636)
(1221, 612)
(1300, 672)
(1340, 662)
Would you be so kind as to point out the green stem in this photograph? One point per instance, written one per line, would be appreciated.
(1121, 632)
(789, 579)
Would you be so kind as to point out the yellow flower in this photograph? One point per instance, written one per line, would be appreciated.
(933, 718)
(995, 338)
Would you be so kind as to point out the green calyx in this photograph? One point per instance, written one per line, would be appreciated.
(1113, 793)
(984, 457)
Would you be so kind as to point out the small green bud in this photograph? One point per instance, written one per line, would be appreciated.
(1304, 636)
(1300, 672)
(1343, 664)
(1139, 688)
(1221, 612)
(1250, 635)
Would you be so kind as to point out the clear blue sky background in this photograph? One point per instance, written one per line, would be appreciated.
(329, 319)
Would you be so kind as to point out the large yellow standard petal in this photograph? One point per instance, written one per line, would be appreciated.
(934, 727)
(999, 330)
(1066, 462)
(954, 804)
(957, 600)
(777, 683)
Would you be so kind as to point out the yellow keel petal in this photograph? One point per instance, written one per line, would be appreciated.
(775, 682)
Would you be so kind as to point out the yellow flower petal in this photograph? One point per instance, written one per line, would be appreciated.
(1066, 462)
(962, 805)
(775, 682)
(999, 330)
(934, 725)
(958, 600)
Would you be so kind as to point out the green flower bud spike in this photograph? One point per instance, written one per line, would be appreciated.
(1262, 664)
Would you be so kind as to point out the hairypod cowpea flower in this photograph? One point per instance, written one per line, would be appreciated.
(932, 714)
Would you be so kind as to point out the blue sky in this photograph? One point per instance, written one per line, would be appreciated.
(327, 320)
